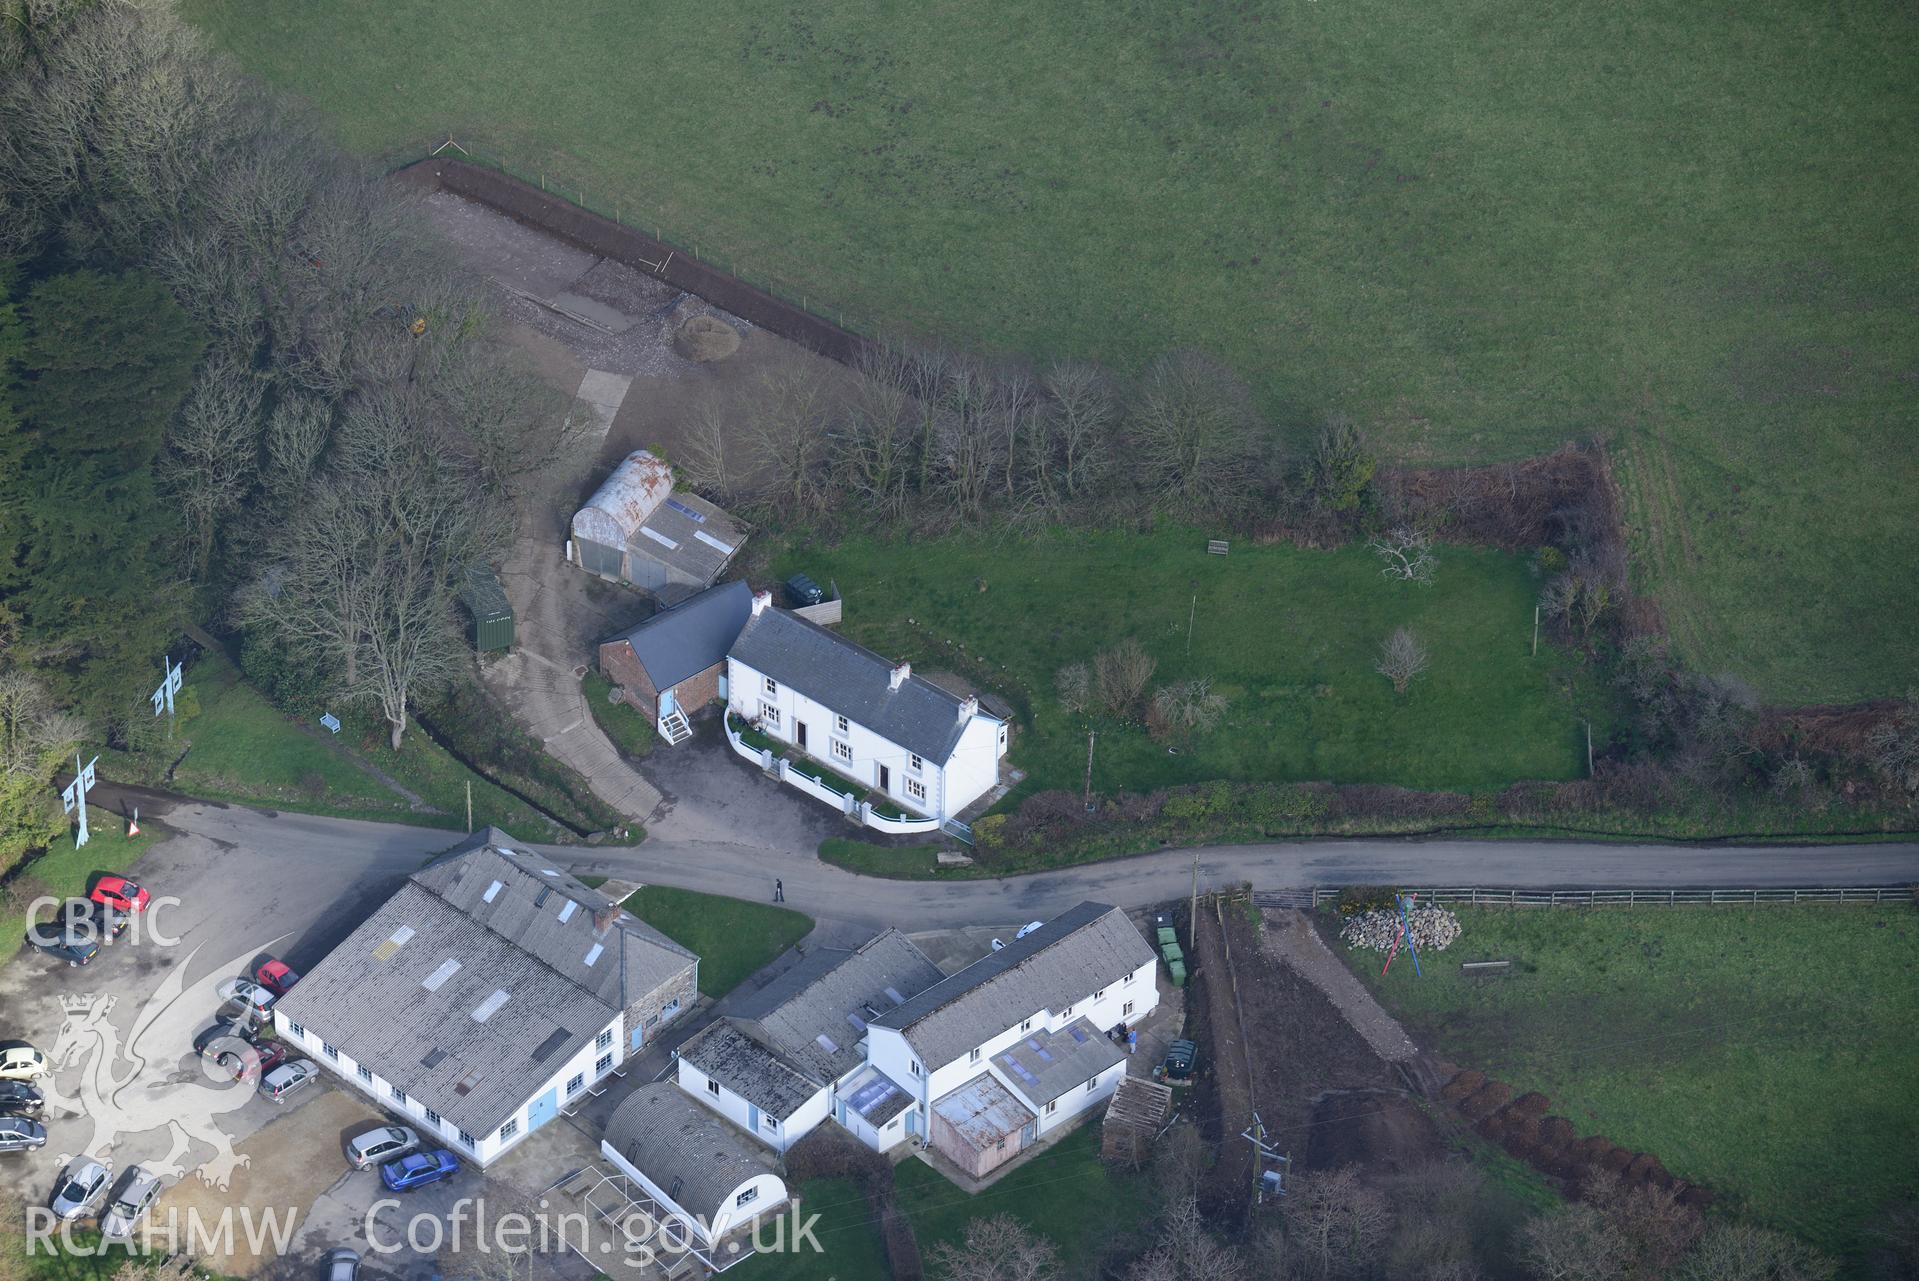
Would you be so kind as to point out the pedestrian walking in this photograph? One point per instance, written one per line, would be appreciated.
(779, 890)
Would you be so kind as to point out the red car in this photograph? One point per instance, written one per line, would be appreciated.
(119, 893)
(276, 976)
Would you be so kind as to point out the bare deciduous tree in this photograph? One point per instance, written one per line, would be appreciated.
(1075, 430)
(1186, 706)
(996, 1248)
(1402, 657)
(786, 420)
(1408, 555)
(1734, 1251)
(967, 435)
(703, 457)
(1894, 746)
(1074, 685)
(1578, 1242)
(1121, 674)
(1196, 432)
(214, 452)
(875, 454)
(1584, 595)
(1336, 1226)
(1185, 1251)
(31, 727)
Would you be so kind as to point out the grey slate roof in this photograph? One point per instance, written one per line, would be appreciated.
(668, 1137)
(692, 636)
(983, 1112)
(1044, 1067)
(826, 991)
(756, 1072)
(852, 680)
(369, 997)
(1078, 952)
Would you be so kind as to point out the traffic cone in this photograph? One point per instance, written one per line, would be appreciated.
(133, 824)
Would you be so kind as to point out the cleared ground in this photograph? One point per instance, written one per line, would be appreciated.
(1480, 229)
(1288, 636)
(1764, 1052)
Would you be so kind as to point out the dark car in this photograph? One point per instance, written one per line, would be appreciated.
(418, 1170)
(802, 591)
(109, 923)
(18, 1096)
(19, 1133)
(72, 946)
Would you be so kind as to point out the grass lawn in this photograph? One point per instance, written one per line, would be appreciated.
(1764, 1052)
(1480, 230)
(244, 749)
(1289, 636)
(618, 721)
(1064, 1194)
(849, 1237)
(732, 938)
(65, 871)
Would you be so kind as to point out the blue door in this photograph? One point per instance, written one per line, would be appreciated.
(541, 1110)
(722, 687)
(913, 1121)
(752, 1118)
(639, 1035)
(667, 703)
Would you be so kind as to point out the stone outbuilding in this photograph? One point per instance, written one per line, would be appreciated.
(674, 663)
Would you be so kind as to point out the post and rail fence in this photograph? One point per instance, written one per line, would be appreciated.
(1479, 896)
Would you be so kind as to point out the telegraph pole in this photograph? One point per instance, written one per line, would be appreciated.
(1192, 910)
(1090, 735)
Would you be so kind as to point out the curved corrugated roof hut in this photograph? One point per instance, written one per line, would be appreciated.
(692, 1162)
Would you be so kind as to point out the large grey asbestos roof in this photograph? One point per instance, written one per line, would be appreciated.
(670, 1138)
(827, 990)
(369, 996)
(692, 636)
(853, 681)
(1078, 952)
(681, 520)
(755, 1072)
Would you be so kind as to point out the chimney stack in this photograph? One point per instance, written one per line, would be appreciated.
(900, 673)
(760, 601)
(969, 708)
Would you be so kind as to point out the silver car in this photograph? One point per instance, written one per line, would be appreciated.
(20, 1133)
(127, 1209)
(287, 1078)
(380, 1144)
(79, 1189)
(342, 1265)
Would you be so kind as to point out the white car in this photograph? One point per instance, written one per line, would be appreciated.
(127, 1209)
(1028, 928)
(380, 1144)
(246, 993)
(344, 1265)
(23, 1063)
(287, 1078)
(79, 1189)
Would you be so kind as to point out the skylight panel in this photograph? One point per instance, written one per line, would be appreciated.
(825, 1042)
(892, 994)
(660, 538)
(593, 953)
(492, 891)
(448, 968)
(491, 1006)
(567, 909)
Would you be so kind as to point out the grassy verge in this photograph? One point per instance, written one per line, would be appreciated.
(732, 938)
(850, 1248)
(618, 721)
(65, 872)
(1064, 1194)
(244, 749)
(1763, 1052)
(868, 859)
(1288, 636)
(480, 729)
(1369, 210)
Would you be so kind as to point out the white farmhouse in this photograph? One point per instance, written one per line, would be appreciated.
(490, 991)
(778, 1063)
(981, 1064)
(930, 752)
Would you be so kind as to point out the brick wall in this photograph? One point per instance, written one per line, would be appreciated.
(697, 691)
(619, 665)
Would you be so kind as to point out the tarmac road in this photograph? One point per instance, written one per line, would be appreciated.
(306, 848)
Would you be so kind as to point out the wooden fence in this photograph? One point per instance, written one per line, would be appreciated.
(1483, 897)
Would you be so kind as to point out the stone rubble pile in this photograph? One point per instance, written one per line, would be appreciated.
(1434, 929)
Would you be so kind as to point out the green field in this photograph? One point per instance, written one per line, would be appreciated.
(244, 749)
(1288, 636)
(1481, 229)
(620, 722)
(1764, 1052)
(732, 938)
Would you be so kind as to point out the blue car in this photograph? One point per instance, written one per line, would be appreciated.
(419, 1169)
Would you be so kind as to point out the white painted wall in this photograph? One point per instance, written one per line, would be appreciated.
(772, 1131)
(485, 1148)
(949, 786)
(1073, 1102)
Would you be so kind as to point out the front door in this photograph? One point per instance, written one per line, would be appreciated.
(667, 703)
(799, 729)
(541, 1110)
(886, 781)
(1027, 1133)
